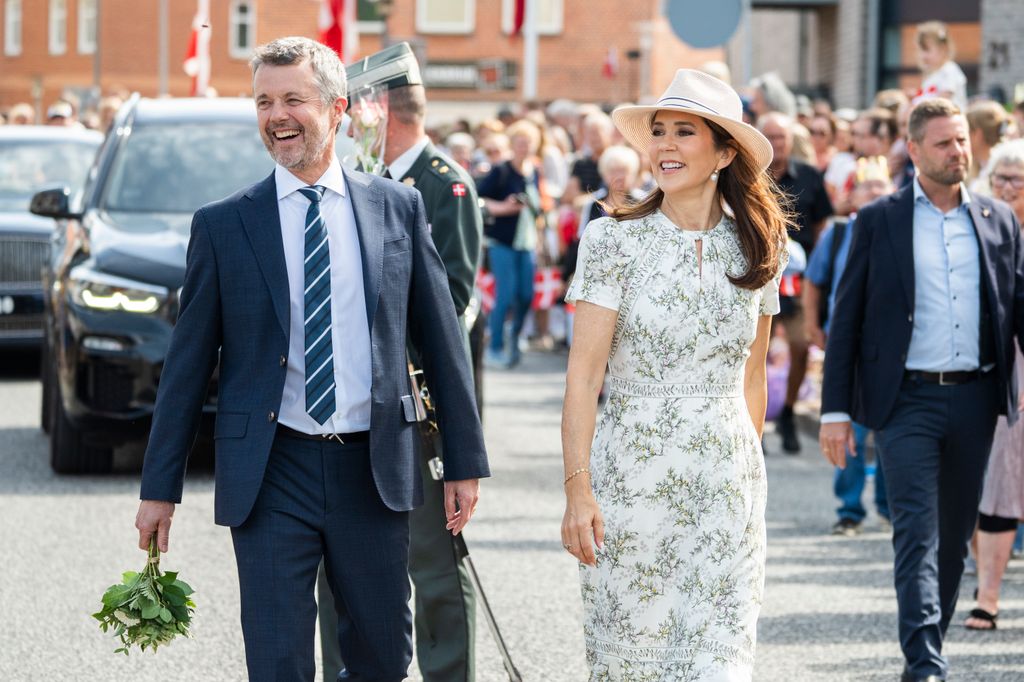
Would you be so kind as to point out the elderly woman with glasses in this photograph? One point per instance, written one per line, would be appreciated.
(1002, 502)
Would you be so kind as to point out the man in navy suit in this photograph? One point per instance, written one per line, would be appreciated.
(305, 287)
(921, 350)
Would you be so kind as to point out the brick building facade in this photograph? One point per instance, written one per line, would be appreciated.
(470, 61)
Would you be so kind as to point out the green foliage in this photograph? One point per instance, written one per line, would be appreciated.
(147, 609)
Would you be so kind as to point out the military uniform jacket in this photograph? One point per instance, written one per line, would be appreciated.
(453, 217)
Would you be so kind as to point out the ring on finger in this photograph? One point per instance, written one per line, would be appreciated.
(568, 548)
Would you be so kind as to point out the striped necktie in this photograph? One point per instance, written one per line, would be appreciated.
(319, 352)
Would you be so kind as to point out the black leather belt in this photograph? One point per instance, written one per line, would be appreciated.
(945, 378)
(343, 438)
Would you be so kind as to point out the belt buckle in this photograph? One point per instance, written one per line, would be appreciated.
(942, 380)
(334, 436)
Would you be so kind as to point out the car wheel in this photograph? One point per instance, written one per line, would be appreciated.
(69, 451)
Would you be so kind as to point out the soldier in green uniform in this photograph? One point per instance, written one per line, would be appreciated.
(445, 606)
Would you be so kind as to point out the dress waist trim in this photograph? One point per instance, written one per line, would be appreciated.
(671, 390)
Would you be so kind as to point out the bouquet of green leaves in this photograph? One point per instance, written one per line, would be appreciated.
(147, 609)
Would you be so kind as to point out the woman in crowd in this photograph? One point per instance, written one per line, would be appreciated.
(941, 75)
(823, 137)
(512, 196)
(675, 296)
(1002, 502)
(987, 121)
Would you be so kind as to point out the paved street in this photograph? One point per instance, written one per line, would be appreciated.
(829, 611)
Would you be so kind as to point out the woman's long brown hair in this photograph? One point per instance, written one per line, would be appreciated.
(761, 220)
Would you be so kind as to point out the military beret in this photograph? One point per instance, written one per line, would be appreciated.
(392, 67)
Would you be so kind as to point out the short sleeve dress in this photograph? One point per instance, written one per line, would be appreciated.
(676, 463)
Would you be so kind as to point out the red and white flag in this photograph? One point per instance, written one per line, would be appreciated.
(338, 29)
(610, 68)
(197, 58)
(485, 284)
(547, 287)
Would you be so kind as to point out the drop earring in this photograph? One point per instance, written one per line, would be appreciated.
(714, 176)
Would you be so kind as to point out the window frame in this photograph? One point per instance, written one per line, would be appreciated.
(508, 11)
(369, 26)
(86, 42)
(12, 38)
(234, 51)
(445, 28)
(57, 27)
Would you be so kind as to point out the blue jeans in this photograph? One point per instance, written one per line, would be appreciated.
(513, 284)
(848, 483)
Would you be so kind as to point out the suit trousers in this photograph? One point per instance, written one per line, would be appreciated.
(936, 444)
(445, 620)
(318, 501)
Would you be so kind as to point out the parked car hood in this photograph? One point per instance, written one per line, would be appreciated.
(147, 247)
(23, 223)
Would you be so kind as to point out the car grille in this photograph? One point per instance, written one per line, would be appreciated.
(22, 260)
(19, 326)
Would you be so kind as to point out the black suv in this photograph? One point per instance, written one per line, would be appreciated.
(118, 261)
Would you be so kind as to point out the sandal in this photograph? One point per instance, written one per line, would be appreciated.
(982, 615)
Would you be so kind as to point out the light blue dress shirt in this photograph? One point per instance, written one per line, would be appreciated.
(947, 281)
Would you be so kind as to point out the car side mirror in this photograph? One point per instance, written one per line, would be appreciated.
(53, 203)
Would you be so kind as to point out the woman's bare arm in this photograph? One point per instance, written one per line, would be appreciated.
(755, 376)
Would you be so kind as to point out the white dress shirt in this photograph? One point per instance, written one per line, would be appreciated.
(400, 166)
(350, 335)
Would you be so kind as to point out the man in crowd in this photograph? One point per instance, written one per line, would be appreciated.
(920, 349)
(316, 428)
(804, 187)
(445, 605)
(821, 280)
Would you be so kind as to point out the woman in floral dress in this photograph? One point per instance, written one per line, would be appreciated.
(665, 496)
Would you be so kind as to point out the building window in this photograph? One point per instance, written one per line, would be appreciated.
(12, 28)
(549, 16)
(58, 26)
(242, 29)
(368, 19)
(445, 16)
(86, 26)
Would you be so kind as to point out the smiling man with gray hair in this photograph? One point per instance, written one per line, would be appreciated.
(304, 287)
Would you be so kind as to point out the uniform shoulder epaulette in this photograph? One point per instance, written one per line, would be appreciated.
(441, 168)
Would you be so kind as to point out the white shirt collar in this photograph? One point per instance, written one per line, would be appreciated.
(400, 166)
(287, 183)
(965, 197)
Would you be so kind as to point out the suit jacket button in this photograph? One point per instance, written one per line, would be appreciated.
(910, 317)
(282, 361)
(271, 417)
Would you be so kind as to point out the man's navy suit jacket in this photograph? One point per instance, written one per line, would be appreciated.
(234, 308)
(873, 318)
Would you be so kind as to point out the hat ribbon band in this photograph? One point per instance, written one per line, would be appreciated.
(665, 100)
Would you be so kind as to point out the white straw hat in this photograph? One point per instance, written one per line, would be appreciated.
(697, 93)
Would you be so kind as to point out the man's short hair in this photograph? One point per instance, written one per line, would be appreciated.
(327, 67)
(936, 107)
(408, 104)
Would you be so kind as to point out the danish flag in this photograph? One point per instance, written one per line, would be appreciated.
(485, 285)
(197, 58)
(547, 286)
(458, 189)
(789, 285)
(337, 24)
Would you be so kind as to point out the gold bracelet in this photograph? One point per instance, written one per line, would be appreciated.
(575, 474)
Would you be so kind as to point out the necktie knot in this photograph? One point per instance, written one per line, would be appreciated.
(313, 192)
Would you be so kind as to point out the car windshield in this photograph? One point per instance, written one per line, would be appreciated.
(27, 166)
(176, 168)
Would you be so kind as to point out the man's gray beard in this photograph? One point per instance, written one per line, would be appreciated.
(306, 158)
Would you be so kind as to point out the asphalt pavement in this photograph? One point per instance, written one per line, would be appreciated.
(829, 610)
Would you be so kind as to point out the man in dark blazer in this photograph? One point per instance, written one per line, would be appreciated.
(306, 287)
(445, 610)
(921, 350)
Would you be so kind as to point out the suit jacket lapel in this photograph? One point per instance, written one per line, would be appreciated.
(262, 223)
(368, 209)
(987, 244)
(900, 218)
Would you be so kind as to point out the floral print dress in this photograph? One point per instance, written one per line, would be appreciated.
(677, 467)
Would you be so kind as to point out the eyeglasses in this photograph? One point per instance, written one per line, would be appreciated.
(818, 132)
(1017, 181)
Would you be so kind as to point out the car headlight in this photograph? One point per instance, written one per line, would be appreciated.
(100, 291)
